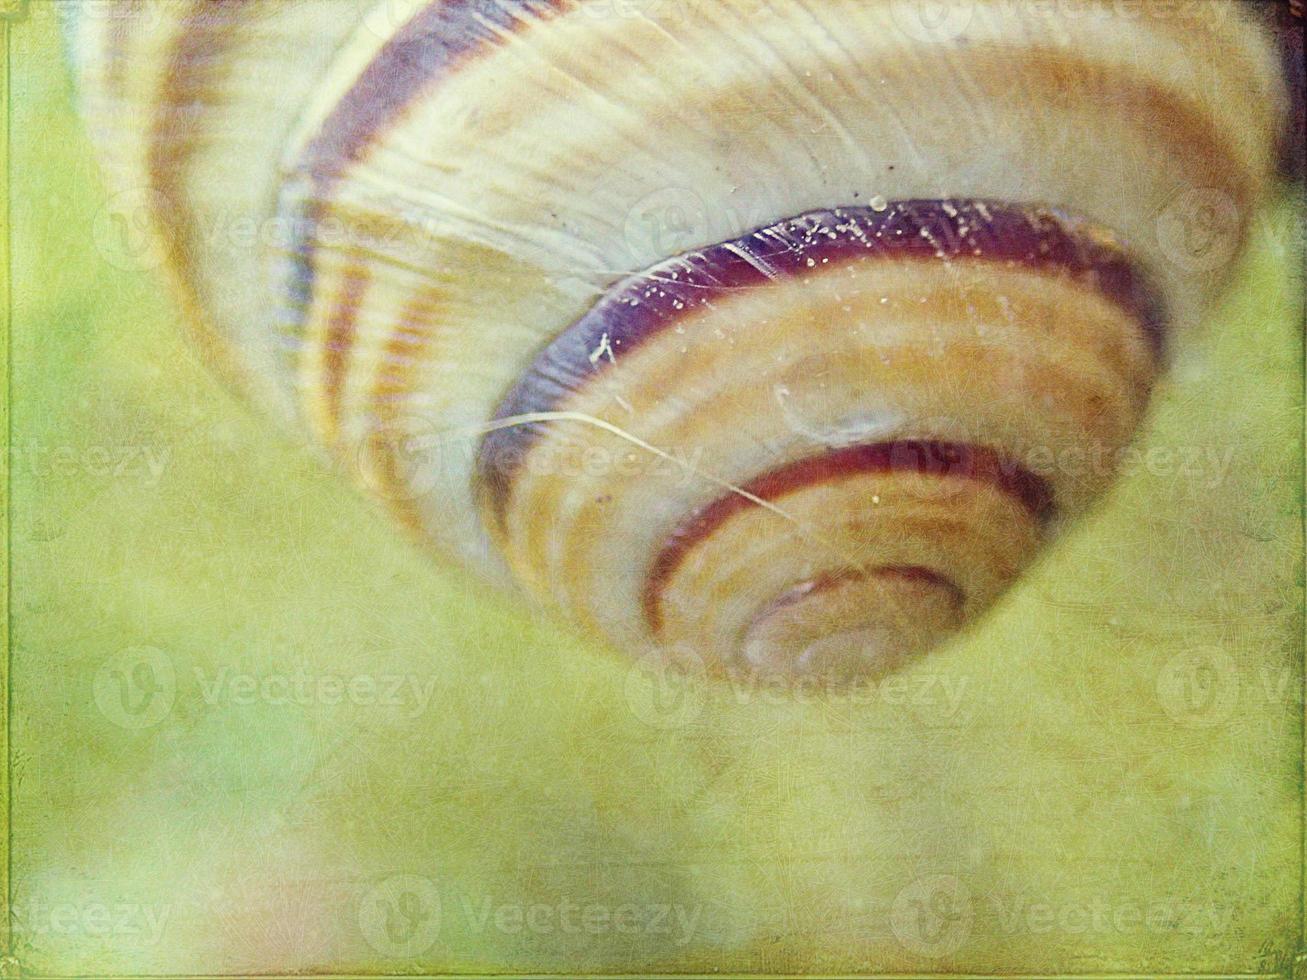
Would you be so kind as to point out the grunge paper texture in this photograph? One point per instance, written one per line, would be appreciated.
(254, 729)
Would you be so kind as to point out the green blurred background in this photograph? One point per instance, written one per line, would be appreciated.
(255, 729)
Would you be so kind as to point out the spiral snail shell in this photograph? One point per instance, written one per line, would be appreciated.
(728, 326)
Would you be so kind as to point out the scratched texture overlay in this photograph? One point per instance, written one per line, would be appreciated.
(254, 730)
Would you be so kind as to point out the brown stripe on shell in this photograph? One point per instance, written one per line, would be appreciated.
(442, 33)
(198, 61)
(1162, 111)
(940, 459)
(404, 352)
(339, 342)
(1063, 78)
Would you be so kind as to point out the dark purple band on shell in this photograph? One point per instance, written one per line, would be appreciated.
(437, 38)
(641, 306)
(435, 41)
(945, 460)
(1288, 24)
(833, 580)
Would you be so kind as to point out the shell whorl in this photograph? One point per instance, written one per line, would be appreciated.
(797, 435)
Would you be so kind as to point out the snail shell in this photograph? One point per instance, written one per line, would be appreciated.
(733, 327)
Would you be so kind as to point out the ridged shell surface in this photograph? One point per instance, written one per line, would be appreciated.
(742, 328)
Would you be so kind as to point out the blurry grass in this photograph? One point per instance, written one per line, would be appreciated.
(529, 776)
